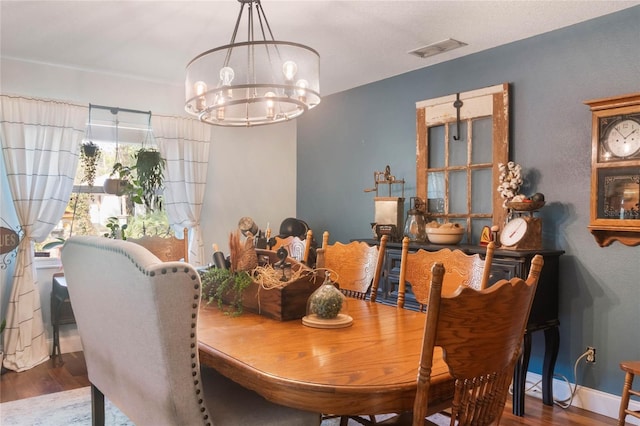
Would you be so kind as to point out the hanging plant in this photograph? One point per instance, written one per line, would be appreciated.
(150, 176)
(89, 155)
(121, 181)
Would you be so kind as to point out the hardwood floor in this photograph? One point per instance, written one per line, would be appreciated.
(69, 372)
(64, 373)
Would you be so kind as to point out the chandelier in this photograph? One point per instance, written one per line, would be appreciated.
(256, 82)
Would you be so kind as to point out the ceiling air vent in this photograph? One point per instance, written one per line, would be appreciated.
(437, 48)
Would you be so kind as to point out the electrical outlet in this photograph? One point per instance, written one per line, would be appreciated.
(591, 354)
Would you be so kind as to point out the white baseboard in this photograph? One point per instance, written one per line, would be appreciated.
(588, 399)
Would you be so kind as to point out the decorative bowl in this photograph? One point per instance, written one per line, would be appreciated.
(528, 206)
(441, 235)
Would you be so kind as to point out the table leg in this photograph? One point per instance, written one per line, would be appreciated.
(552, 346)
(520, 376)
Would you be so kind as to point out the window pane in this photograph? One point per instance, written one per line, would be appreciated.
(436, 147)
(482, 141)
(458, 192)
(458, 148)
(435, 192)
(481, 198)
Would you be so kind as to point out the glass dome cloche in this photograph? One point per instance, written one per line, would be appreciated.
(327, 307)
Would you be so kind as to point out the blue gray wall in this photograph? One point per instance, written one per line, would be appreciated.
(354, 133)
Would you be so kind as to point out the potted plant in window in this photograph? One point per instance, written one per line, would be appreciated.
(120, 181)
(150, 176)
(89, 156)
(115, 230)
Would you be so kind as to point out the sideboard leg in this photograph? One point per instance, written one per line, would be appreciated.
(552, 346)
(520, 376)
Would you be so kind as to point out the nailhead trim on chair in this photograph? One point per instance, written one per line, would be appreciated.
(195, 366)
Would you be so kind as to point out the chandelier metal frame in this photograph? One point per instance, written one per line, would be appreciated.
(255, 82)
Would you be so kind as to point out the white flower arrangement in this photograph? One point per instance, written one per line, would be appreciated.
(510, 181)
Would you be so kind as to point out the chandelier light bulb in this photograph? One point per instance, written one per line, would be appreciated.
(200, 88)
(226, 75)
(289, 68)
(270, 96)
(270, 104)
(302, 86)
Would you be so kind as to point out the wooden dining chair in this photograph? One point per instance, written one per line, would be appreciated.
(480, 333)
(168, 248)
(355, 266)
(461, 269)
(631, 369)
(297, 248)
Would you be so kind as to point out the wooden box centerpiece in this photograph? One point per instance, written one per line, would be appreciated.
(283, 302)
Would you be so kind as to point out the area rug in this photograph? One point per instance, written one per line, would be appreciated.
(73, 408)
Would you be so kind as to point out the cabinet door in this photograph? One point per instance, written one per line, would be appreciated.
(388, 288)
(504, 269)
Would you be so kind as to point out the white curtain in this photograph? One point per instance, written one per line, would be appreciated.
(40, 142)
(184, 144)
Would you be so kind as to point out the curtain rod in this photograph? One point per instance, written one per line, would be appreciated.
(115, 110)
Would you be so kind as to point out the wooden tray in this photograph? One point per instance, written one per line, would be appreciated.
(341, 321)
(525, 207)
(282, 304)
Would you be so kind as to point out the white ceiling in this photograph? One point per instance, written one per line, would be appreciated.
(359, 41)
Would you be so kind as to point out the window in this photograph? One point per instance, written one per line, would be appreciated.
(457, 161)
(93, 212)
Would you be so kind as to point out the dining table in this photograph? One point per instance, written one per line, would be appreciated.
(368, 367)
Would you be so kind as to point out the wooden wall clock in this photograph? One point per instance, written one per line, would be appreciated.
(615, 170)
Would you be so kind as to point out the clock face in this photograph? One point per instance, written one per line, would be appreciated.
(622, 138)
(513, 232)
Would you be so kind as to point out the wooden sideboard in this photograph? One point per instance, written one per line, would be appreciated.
(506, 264)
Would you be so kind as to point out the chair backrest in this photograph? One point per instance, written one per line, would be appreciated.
(355, 266)
(168, 248)
(137, 318)
(297, 248)
(481, 334)
(461, 269)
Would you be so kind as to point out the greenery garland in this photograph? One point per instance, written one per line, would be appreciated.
(219, 285)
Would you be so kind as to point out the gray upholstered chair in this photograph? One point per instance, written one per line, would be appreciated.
(137, 318)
